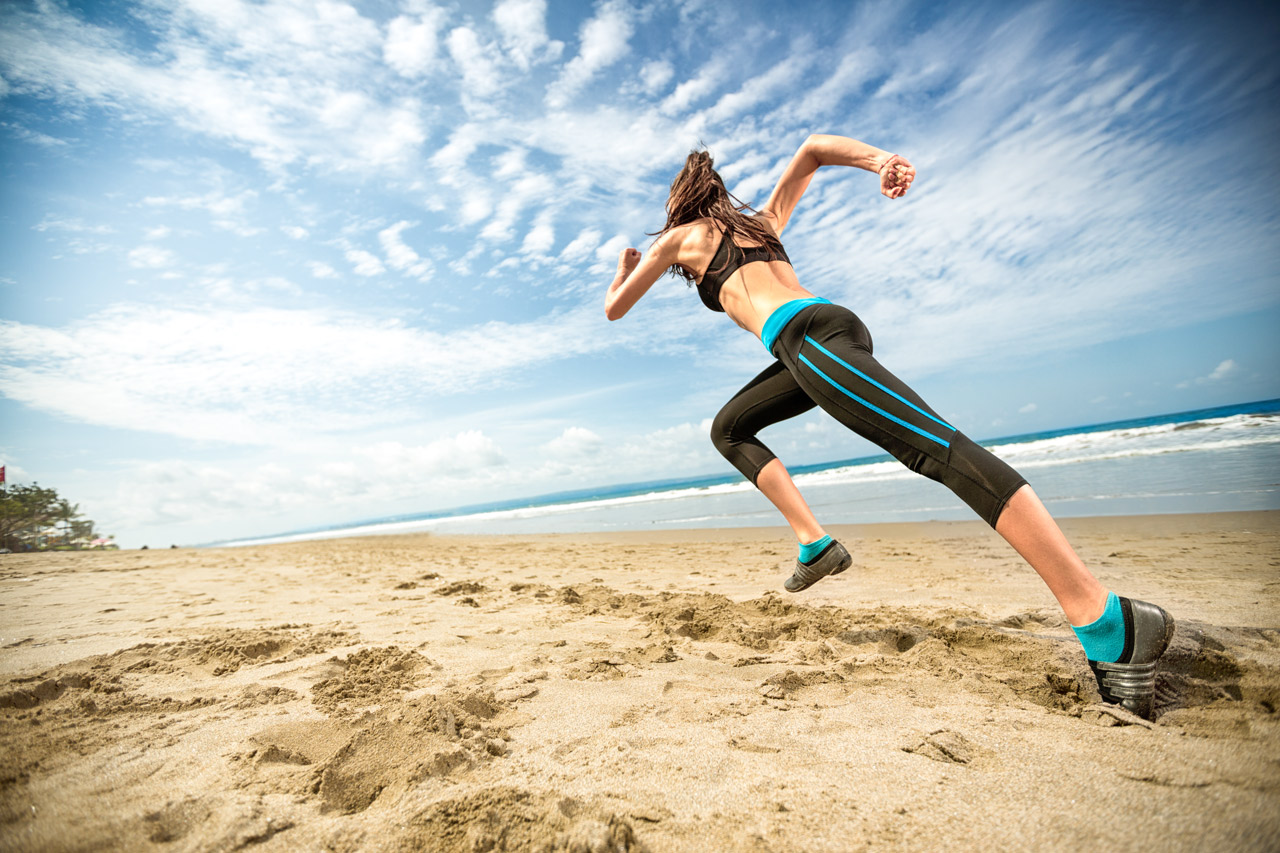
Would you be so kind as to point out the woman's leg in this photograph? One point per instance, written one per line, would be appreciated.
(775, 483)
(1027, 526)
(771, 397)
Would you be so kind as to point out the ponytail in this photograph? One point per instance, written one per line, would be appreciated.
(698, 192)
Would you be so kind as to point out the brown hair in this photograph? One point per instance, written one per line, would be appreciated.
(697, 193)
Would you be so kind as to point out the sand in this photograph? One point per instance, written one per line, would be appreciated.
(653, 691)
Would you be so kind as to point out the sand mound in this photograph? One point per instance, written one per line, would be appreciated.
(427, 737)
(510, 819)
(368, 677)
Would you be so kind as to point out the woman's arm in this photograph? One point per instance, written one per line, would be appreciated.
(637, 273)
(896, 174)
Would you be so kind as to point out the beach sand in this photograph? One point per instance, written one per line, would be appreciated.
(642, 691)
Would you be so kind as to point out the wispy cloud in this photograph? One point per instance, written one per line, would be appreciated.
(399, 255)
(1225, 368)
(177, 491)
(74, 225)
(412, 42)
(478, 64)
(320, 269)
(266, 376)
(227, 212)
(523, 27)
(365, 263)
(296, 100)
(603, 41)
(150, 257)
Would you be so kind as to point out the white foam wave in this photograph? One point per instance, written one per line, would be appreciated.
(1209, 436)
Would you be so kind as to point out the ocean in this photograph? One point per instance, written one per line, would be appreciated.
(1207, 460)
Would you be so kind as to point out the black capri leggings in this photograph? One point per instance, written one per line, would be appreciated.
(824, 359)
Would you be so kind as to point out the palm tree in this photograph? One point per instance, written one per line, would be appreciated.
(66, 513)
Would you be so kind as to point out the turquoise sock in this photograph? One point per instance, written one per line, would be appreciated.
(813, 549)
(1103, 640)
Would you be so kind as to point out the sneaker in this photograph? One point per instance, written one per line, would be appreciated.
(833, 560)
(1131, 681)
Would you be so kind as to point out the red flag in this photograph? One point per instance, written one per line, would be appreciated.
(1, 474)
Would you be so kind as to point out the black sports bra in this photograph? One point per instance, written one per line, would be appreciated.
(727, 259)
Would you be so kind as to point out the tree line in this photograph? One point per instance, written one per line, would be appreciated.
(34, 518)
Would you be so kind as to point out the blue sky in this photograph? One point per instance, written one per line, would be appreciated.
(270, 265)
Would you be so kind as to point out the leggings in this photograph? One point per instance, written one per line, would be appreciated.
(824, 359)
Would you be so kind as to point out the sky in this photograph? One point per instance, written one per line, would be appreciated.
(276, 264)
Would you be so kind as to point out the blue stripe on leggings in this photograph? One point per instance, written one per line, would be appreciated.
(870, 406)
(893, 394)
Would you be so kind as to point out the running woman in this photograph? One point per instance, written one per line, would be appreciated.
(823, 357)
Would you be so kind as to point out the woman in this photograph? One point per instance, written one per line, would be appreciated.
(824, 358)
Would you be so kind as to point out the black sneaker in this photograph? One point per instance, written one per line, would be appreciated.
(1131, 681)
(833, 560)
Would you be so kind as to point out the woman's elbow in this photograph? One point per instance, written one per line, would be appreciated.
(613, 311)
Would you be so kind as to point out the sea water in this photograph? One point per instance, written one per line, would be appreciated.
(1209, 460)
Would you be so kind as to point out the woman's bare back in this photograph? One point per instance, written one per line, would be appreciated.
(754, 290)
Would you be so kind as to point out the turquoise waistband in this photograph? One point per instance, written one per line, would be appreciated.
(782, 315)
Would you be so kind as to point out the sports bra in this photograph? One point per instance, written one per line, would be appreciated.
(727, 259)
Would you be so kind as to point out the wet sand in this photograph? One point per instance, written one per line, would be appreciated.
(645, 691)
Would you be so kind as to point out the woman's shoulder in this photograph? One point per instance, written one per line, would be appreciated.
(692, 236)
(697, 229)
(768, 218)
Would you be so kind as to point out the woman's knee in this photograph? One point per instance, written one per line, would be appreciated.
(722, 436)
(980, 478)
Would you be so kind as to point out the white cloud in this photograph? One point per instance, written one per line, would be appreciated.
(603, 41)
(150, 257)
(400, 256)
(541, 237)
(528, 190)
(761, 88)
(319, 269)
(476, 62)
(575, 442)
(1027, 409)
(28, 135)
(607, 254)
(655, 75)
(463, 142)
(581, 247)
(255, 75)
(689, 92)
(269, 376)
(523, 27)
(78, 226)
(227, 212)
(411, 43)
(365, 263)
(1224, 369)
(339, 477)
(296, 232)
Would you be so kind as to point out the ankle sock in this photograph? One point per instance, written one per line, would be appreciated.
(812, 549)
(1103, 640)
